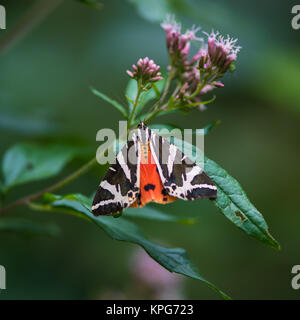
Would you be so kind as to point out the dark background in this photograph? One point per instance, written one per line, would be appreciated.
(44, 95)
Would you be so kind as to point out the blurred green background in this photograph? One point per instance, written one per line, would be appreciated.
(45, 96)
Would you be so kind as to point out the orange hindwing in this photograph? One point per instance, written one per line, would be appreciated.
(151, 187)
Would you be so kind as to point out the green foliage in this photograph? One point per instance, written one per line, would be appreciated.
(157, 10)
(232, 199)
(114, 103)
(30, 162)
(131, 92)
(235, 205)
(147, 96)
(207, 129)
(155, 214)
(232, 67)
(173, 259)
(154, 11)
(28, 228)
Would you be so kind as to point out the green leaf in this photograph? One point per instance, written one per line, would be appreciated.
(210, 126)
(235, 205)
(146, 96)
(30, 162)
(151, 213)
(173, 259)
(157, 10)
(167, 126)
(131, 102)
(114, 103)
(28, 228)
(154, 11)
(232, 67)
(233, 201)
(29, 124)
(148, 212)
(131, 92)
(151, 94)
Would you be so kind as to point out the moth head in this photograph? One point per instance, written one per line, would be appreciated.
(142, 125)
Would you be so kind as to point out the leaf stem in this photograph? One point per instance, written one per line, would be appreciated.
(88, 165)
(58, 185)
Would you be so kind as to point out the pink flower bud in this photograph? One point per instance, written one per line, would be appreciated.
(156, 79)
(130, 73)
(218, 84)
(146, 60)
(145, 71)
(207, 88)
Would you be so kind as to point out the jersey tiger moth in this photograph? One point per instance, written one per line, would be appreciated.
(149, 168)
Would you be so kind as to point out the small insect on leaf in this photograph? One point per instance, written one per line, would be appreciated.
(155, 171)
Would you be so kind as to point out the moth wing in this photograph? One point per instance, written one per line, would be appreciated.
(181, 177)
(120, 186)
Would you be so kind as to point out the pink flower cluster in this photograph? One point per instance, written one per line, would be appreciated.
(191, 82)
(198, 75)
(220, 52)
(178, 44)
(145, 71)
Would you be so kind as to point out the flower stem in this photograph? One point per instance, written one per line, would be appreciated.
(197, 91)
(140, 89)
(27, 199)
(157, 106)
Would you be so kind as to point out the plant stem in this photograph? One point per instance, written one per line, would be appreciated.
(68, 179)
(88, 165)
(140, 89)
(152, 115)
(198, 89)
(166, 89)
(157, 106)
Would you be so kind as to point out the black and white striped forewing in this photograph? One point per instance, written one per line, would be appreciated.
(120, 186)
(181, 177)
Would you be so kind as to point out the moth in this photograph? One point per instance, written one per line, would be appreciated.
(150, 169)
